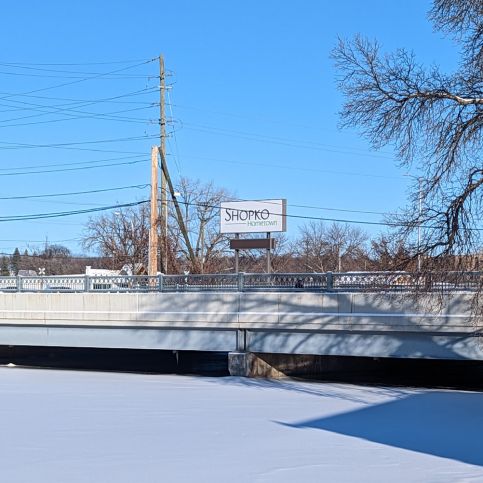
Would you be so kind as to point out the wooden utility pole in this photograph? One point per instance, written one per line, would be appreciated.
(162, 147)
(153, 228)
(179, 215)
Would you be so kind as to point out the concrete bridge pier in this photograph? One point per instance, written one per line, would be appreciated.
(276, 366)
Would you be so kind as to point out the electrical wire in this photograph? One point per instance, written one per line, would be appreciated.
(72, 164)
(109, 76)
(177, 159)
(295, 168)
(304, 144)
(318, 218)
(146, 90)
(74, 193)
(42, 257)
(61, 108)
(46, 110)
(271, 121)
(77, 81)
(11, 145)
(126, 163)
(82, 63)
(37, 216)
(59, 214)
(323, 208)
(99, 116)
(41, 241)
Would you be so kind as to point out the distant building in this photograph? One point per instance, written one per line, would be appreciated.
(100, 272)
(138, 269)
(26, 273)
(127, 269)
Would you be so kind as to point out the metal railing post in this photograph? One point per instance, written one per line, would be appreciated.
(160, 282)
(19, 283)
(86, 283)
(330, 281)
(241, 281)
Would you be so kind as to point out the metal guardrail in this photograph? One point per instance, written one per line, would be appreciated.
(249, 282)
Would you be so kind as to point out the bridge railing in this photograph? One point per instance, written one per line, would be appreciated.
(196, 283)
(246, 282)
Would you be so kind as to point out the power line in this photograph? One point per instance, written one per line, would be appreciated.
(101, 76)
(59, 71)
(177, 157)
(43, 257)
(79, 80)
(62, 109)
(203, 205)
(72, 164)
(74, 193)
(285, 123)
(99, 116)
(295, 168)
(109, 116)
(304, 144)
(40, 241)
(38, 216)
(318, 218)
(81, 63)
(312, 207)
(20, 173)
(11, 145)
(146, 90)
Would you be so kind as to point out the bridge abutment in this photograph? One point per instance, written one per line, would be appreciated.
(276, 366)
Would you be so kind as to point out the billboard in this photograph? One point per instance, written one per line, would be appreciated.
(261, 216)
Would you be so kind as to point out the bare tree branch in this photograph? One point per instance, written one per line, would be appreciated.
(433, 120)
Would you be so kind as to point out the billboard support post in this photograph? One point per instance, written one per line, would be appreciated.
(269, 267)
(237, 252)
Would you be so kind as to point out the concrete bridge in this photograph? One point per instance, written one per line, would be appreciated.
(369, 324)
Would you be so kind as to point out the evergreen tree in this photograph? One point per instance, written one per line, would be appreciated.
(15, 261)
(4, 271)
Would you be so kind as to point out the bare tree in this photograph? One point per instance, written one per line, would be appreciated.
(388, 252)
(312, 247)
(347, 247)
(281, 257)
(337, 247)
(200, 204)
(121, 236)
(434, 120)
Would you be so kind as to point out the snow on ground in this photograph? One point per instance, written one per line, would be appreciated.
(68, 426)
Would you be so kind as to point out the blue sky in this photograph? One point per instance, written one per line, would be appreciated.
(254, 104)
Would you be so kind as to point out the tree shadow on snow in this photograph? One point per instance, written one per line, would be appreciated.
(342, 391)
(444, 424)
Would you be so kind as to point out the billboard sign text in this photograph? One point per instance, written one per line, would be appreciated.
(261, 216)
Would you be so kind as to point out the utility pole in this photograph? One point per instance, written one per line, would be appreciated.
(162, 147)
(420, 203)
(179, 215)
(153, 227)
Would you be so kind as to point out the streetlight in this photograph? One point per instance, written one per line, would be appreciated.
(420, 203)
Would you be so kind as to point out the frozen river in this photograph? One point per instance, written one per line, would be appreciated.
(68, 426)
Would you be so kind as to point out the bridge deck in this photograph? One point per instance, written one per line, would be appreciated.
(362, 324)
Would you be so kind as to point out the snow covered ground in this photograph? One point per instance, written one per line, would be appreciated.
(68, 426)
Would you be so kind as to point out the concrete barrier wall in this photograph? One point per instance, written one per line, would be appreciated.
(371, 324)
(361, 311)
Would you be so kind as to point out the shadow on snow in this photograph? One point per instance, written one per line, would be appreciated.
(444, 424)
